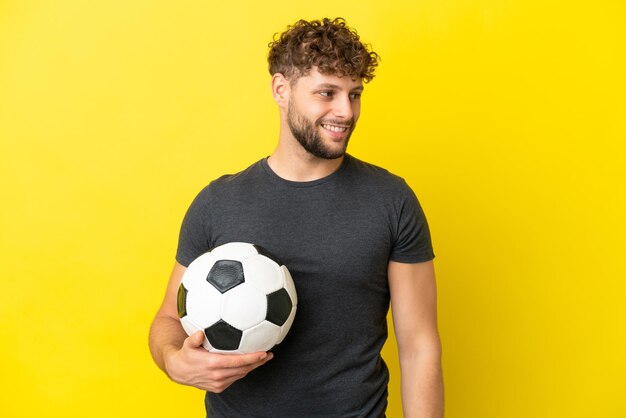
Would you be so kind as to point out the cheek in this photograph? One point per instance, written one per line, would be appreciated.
(318, 115)
(316, 109)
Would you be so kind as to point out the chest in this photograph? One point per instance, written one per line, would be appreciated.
(311, 231)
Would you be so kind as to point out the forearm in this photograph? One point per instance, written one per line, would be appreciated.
(422, 385)
(185, 361)
(166, 334)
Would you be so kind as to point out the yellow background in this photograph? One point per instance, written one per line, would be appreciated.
(507, 117)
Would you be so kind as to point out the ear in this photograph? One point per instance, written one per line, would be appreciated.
(280, 90)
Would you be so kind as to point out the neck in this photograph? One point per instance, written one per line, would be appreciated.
(296, 164)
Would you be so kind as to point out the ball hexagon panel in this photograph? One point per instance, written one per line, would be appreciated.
(260, 338)
(203, 305)
(289, 286)
(197, 270)
(226, 274)
(223, 336)
(244, 306)
(189, 326)
(263, 273)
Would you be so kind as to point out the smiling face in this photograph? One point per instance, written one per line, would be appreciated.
(322, 112)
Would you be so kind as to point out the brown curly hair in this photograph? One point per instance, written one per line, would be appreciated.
(330, 45)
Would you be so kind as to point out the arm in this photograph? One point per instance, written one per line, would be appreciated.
(414, 309)
(184, 359)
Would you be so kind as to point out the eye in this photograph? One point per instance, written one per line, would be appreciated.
(355, 96)
(326, 93)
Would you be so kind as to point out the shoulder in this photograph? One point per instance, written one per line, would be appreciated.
(229, 182)
(373, 176)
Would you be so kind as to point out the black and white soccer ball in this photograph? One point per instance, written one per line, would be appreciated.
(240, 295)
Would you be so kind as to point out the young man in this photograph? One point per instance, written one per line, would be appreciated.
(353, 237)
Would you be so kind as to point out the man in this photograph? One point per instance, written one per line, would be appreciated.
(353, 236)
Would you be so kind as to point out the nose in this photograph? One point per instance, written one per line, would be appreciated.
(343, 107)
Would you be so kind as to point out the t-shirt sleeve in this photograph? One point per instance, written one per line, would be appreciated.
(194, 238)
(412, 242)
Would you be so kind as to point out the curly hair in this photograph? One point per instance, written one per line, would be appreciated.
(330, 45)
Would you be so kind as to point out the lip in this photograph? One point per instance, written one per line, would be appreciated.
(336, 134)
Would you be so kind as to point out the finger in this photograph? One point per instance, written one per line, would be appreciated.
(245, 360)
(195, 340)
(231, 374)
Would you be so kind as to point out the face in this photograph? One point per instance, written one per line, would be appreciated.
(322, 113)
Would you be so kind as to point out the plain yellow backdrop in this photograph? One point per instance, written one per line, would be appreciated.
(507, 117)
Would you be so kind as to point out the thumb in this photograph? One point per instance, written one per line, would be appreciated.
(195, 340)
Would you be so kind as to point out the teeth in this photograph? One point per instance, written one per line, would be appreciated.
(334, 128)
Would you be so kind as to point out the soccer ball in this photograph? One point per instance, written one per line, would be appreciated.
(240, 295)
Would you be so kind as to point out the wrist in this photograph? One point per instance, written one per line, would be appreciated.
(167, 353)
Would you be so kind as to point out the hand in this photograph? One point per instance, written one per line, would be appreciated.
(192, 365)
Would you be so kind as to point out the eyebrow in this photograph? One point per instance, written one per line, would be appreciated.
(335, 86)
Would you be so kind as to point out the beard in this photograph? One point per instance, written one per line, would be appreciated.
(308, 135)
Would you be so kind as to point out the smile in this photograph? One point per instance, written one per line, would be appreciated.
(334, 128)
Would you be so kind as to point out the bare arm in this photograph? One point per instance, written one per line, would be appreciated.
(414, 308)
(184, 359)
